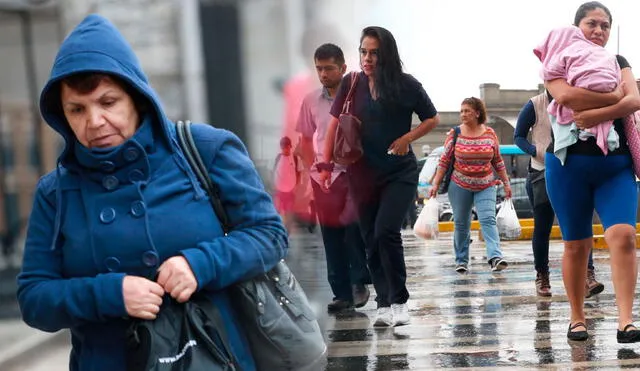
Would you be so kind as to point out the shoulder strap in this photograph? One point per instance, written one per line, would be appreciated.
(188, 146)
(346, 107)
(456, 132)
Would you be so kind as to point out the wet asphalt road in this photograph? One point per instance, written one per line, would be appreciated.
(478, 320)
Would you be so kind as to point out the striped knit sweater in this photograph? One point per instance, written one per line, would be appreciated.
(476, 160)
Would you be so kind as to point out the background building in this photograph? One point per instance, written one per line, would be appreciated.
(224, 62)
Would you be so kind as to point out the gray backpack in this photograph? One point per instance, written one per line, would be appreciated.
(281, 327)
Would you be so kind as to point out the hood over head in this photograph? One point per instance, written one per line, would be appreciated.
(95, 45)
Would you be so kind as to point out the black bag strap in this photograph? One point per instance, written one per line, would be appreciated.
(456, 132)
(188, 146)
(444, 186)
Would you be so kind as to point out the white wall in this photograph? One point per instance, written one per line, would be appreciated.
(265, 56)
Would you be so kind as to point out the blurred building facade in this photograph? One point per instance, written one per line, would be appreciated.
(166, 37)
(224, 62)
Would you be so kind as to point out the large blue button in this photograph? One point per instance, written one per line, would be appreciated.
(112, 264)
(150, 258)
(136, 176)
(107, 166)
(131, 154)
(110, 182)
(138, 208)
(107, 215)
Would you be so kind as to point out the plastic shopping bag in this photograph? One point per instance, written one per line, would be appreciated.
(426, 227)
(507, 221)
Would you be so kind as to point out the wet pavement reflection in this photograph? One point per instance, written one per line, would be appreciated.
(477, 320)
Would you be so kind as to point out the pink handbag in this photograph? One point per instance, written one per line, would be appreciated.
(632, 131)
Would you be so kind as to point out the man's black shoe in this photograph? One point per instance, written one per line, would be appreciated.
(339, 306)
(360, 295)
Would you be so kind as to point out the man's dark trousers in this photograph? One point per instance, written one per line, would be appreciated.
(343, 244)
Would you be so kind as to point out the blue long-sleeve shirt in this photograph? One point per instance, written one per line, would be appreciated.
(526, 119)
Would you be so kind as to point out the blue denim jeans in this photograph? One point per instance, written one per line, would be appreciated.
(461, 202)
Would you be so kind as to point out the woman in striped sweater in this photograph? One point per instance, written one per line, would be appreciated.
(476, 154)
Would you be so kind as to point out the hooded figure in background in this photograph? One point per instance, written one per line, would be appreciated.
(122, 221)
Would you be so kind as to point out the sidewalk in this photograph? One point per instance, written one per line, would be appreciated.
(19, 342)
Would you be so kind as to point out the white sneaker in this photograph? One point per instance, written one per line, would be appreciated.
(400, 314)
(384, 317)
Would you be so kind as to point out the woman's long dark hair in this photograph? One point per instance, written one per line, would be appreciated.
(389, 67)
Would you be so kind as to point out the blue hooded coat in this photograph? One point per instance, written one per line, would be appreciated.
(102, 215)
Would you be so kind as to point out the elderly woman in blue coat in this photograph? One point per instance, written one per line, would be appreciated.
(122, 221)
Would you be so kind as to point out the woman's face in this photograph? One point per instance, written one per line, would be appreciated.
(596, 26)
(369, 55)
(468, 115)
(103, 118)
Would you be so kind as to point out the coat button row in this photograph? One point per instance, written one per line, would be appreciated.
(149, 258)
(108, 215)
(110, 182)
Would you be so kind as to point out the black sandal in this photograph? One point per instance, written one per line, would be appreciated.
(577, 335)
(631, 336)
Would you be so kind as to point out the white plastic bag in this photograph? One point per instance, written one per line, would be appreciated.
(507, 221)
(426, 227)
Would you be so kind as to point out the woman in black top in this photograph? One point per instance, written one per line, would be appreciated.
(589, 180)
(384, 181)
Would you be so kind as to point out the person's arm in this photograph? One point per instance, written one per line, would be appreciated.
(526, 119)
(423, 128)
(579, 99)
(307, 151)
(330, 137)
(629, 104)
(48, 300)
(257, 240)
(427, 113)
(498, 164)
(336, 110)
(306, 126)
(299, 169)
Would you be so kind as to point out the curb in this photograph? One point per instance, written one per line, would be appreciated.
(31, 347)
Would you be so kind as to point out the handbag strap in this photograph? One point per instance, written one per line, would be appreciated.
(188, 146)
(456, 132)
(346, 107)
